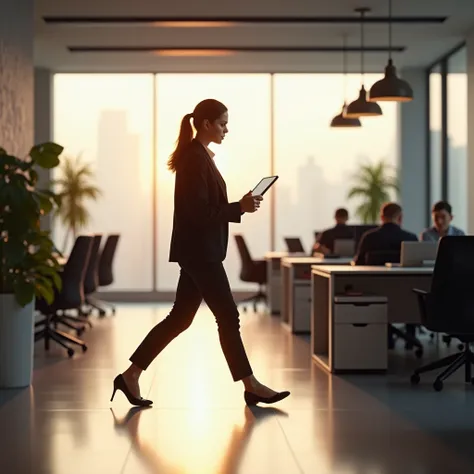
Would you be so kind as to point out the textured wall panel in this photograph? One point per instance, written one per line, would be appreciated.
(16, 75)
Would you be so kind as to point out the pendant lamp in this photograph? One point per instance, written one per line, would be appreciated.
(391, 88)
(361, 107)
(340, 120)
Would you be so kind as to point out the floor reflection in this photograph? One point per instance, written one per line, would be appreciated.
(231, 458)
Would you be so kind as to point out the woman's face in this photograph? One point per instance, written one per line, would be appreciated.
(217, 130)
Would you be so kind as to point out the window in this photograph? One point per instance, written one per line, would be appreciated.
(316, 163)
(108, 120)
(243, 158)
(457, 136)
(435, 86)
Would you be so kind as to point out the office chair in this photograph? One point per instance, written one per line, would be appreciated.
(106, 274)
(91, 280)
(449, 306)
(380, 258)
(252, 271)
(71, 297)
(294, 245)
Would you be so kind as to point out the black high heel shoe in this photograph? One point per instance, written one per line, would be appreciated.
(119, 384)
(253, 399)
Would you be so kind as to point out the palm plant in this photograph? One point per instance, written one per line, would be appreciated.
(75, 188)
(373, 184)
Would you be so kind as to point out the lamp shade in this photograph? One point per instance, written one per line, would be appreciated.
(341, 121)
(391, 88)
(361, 108)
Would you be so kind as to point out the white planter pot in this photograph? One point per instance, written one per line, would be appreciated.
(16, 343)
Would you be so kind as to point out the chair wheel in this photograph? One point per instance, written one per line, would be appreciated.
(244, 309)
(114, 310)
(432, 335)
(70, 352)
(84, 348)
(102, 312)
(254, 308)
(461, 347)
(415, 379)
(419, 353)
(438, 385)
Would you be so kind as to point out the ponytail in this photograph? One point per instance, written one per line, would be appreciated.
(185, 137)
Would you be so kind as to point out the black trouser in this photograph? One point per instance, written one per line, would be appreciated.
(199, 280)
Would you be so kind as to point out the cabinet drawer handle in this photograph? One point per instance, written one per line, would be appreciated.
(359, 325)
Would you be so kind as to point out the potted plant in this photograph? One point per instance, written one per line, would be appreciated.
(29, 267)
(75, 187)
(373, 184)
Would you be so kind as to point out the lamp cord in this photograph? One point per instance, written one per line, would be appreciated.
(362, 48)
(344, 67)
(390, 30)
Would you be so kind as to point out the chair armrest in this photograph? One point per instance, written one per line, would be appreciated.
(419, 292)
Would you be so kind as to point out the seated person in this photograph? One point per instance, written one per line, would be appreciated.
(442, 215)
(388, 237)
(325, 242)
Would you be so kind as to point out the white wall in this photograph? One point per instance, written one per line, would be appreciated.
(16, 75)
(412, 165)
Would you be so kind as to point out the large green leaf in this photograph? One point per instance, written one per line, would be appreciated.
(46, 155)
(45, 203)
(24, 292)
(45, 290)
(52, 273)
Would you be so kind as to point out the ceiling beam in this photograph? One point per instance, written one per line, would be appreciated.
(233, 21)
(235, 49)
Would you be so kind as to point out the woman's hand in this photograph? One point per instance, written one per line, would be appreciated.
(250, 203)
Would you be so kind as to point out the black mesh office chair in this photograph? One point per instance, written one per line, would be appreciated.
(106, 273)
(91, 280)
(449, 305)
(71, 297)
(252, 271)
(393, 256)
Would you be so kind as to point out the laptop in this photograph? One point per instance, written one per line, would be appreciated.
(294, 245)
(416, 254)
(344, 247)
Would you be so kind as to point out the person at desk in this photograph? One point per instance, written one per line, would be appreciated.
(388, 237)
(199, 240)
(442, 215)
(325, 242)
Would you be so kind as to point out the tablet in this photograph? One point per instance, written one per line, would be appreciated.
(264, 185)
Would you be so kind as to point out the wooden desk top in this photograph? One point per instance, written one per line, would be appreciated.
(315, 261)
(327, 270)
(280, 255)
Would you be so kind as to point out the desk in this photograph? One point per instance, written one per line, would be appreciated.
(296, 286)
(274, 280)
(395, 284)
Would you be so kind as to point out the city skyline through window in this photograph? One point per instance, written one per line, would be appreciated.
(109, 119)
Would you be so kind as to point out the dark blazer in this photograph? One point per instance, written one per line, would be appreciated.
(202, 211)
(388, 237)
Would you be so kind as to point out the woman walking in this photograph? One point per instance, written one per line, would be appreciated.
(199, 242)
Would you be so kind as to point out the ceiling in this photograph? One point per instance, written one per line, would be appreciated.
(63, 45)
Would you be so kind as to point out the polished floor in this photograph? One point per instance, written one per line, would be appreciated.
(65, 424)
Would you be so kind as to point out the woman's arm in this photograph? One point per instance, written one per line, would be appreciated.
(195, 196)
